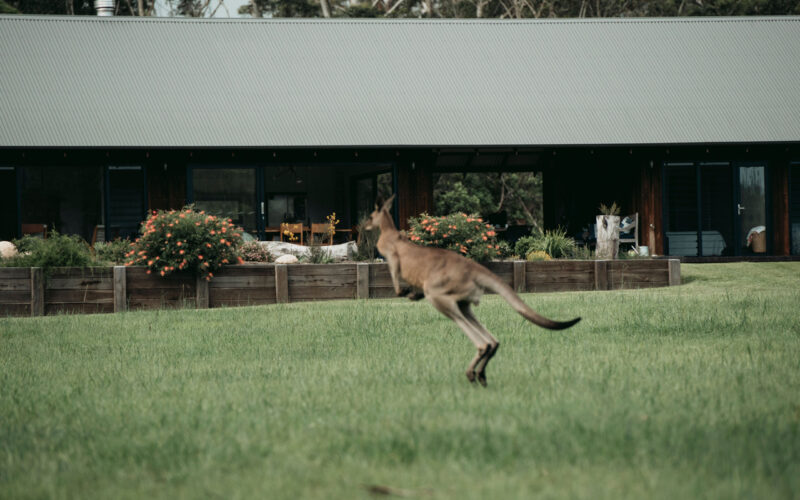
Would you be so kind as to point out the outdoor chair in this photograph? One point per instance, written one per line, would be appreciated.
(321, 228)
(296, 229)
(35, 230)
(629, 233)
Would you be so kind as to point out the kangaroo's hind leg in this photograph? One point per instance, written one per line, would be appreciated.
(494, 344)
(451, 309)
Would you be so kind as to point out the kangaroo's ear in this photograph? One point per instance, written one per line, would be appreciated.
(378, 203)
(388, 203)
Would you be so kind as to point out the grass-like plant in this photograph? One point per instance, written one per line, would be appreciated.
(553, 242)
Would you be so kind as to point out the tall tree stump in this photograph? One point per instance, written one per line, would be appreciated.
(607, 236)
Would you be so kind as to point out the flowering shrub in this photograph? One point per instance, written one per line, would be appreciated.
(185, 240)
(252, 251)
(462, 233)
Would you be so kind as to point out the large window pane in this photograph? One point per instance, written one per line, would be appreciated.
(227, 192)
(716, 201)
(8, 203)
(513, 198)
(67, 199)
(125, 202)
(681, 190)
(794, 207)
(753, 209)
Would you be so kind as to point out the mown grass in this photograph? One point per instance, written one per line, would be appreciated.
(692, 391)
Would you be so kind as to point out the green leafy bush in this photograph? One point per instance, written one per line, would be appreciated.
(186, 240)
(554, 243)
(366, 244)
(462, 233)
(58, 250)
(113, 252)
(252, 251)
(525, 245)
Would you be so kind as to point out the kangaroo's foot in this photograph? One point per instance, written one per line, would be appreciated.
(471, 376)
(482, 379)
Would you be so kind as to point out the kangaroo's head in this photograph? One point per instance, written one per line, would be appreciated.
(381, 210)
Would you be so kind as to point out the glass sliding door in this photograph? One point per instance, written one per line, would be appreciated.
(752, 209)
(125, 202)
(681, 209)
(715, 209)
(794, 207)
(716, 199)
(228, 192)
(66, 199)
(8, 204)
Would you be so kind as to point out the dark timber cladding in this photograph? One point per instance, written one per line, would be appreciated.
(710, 106)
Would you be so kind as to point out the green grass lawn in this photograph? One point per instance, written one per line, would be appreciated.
(686, 392)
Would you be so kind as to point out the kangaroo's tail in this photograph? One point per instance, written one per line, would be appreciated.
(490, 281)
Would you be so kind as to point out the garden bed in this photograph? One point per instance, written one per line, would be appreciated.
(27, 292)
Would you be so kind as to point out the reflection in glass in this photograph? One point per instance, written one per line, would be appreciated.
(289, 208)
(752, 209)
(125, 202)
(65, 199)
(681, 231)
(228, 192)
(716, 200)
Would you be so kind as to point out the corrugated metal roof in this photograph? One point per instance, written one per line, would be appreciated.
(84, 81)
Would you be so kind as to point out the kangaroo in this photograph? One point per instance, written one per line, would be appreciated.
(452, 284)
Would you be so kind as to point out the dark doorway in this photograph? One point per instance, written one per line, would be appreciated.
(9, 222)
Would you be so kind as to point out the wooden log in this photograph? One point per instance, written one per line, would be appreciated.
(15, 309)
(607, 232)
(600, 275)
(520, 284)
(37, 291)
(321, 292)
(15, 284)
(89, 273)
(78, 296)
(226, 281)
(201, 292)
(176, 294)
(120, 289)
(88, 308)
(281, 284)
(15, 273)
(55, 283)
(145, 304)
(674, 272)
(16, 296)
(362, 281)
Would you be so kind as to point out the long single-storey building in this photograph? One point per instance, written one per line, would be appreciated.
(694, 124)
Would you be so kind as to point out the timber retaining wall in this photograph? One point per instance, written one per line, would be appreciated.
(28, 292)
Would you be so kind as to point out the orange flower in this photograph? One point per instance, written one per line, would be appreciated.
(169, 235)
(150, 262)
(182, 252)
(162, 273)
(180, 243)
(148, 271)
(200, 257)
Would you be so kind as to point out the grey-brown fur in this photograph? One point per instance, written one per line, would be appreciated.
(452, 284)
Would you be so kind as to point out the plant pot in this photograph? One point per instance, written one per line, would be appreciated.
(607, 231)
